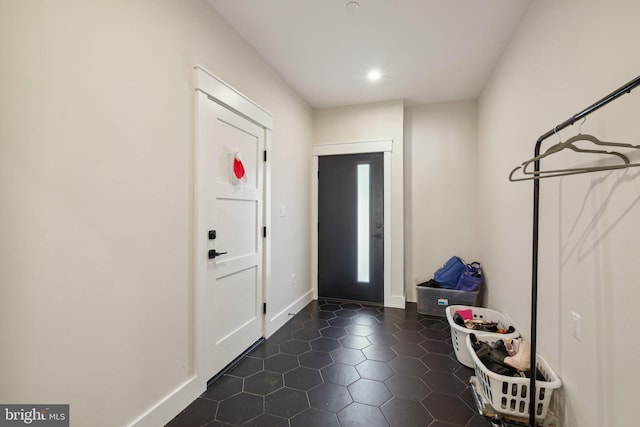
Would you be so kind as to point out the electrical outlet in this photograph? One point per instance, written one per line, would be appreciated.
(576, 327)
(293, 279)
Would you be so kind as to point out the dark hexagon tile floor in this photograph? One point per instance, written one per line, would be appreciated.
(344, 365)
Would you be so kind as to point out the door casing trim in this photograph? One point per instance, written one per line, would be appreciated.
(361, 147)
(220, 92)
(205, 83)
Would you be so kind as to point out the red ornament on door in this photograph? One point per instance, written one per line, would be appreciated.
(239, 174)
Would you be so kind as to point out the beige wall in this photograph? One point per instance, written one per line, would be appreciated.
(440, 184)
(565, 56)
(374, 122)
(96, 140)
(96, 143)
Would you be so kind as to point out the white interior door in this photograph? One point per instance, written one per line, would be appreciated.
(233, 280)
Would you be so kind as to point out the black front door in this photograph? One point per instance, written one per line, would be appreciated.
(351, 227)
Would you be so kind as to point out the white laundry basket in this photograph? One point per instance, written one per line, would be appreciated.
(459, 333)
(510, 395)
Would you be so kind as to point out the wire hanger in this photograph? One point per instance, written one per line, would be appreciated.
(569, 143)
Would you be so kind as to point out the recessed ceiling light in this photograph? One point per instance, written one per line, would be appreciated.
(374, 75)
(352, 6)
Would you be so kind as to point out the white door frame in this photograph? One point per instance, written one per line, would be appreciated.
(175, 401)
(220, 92)
(385, 147)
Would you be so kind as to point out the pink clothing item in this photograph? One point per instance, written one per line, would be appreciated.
(522, 360)
(466, 314)
(508, 344)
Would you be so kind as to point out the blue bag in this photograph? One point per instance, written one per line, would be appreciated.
(471, 278)
(449, 274)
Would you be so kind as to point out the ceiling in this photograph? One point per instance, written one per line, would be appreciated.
(427, 51)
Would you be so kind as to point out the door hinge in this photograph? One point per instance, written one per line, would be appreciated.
(264, 232)
(264, 155)
(264, 308)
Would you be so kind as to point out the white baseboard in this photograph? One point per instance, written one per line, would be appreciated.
(166, 409)
(171, 405)
(278, 320)
(395, 302)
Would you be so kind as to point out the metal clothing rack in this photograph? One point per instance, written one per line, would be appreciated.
(536, 175)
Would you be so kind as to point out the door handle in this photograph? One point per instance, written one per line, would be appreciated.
(213, 253)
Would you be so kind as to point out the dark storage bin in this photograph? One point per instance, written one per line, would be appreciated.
(434, 301)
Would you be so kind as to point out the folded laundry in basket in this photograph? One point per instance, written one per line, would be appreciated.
(492, 356)
(481, 325)
(496, 357)
(521, 360)
(508, 344)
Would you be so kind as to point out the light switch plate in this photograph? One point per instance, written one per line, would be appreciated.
(576, 325)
